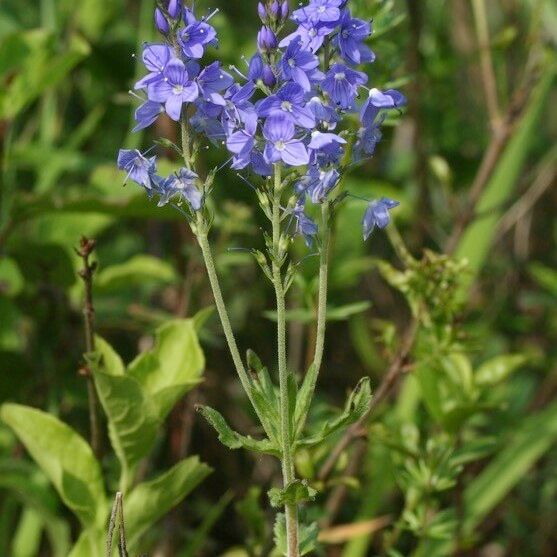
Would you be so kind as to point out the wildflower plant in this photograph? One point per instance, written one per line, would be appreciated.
(288, 122)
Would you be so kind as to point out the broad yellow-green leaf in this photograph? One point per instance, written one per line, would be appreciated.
(151, 500)
(172, 367)
(64, 456)
(498, 369)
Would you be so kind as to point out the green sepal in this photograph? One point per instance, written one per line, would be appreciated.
(234, 440)
(294, 493)
(356, 406)
(303, 400)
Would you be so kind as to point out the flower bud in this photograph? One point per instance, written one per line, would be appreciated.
(174, 8)
(262, 11)
(268, 77)
(266, 39)
(160, 22)
(284, 10)
(275, 10)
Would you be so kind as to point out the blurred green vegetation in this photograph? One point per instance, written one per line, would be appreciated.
(461, 457)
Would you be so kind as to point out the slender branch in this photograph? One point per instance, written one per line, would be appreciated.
(221, 307)
(488, 74)
(291, 510)
(85, 250)
(321, 299)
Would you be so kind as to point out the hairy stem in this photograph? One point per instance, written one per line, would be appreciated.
(291, 510)
(221, 307)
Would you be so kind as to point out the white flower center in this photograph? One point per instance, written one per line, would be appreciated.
(291, 62)
(280, 145)
(340, 75)
(178, 89)
(312, 33)
(321, 9)
(286, 106)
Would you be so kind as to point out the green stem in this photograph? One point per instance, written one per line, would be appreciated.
(221, 308)
(291, 511)
(323, 284)
(186, 147)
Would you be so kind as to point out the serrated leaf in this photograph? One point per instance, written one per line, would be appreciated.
(64, 456)
(233, 439)
(303, 400)
(151, 500)
(356, 406)
(498, 369)
(295, 492)
(307, 536)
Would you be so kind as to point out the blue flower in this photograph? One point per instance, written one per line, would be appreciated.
(195, 36)
(311, 35)
(155, 57)
(368, 138)
(304, 225)
(318, 11)
(317, 183)
(300, 65)
(342, 83)
(377, 215)
(182, 185)
(174, 90)
(241, 144)
(146, 114)
(239, 110)
(326, 148)
(377, 100)
(350, 37)
(211, 81)
(289, 100)
(279, 132)
(324, 113)
(138, 167)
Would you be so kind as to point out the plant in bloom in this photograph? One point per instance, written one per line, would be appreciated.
(287, 119)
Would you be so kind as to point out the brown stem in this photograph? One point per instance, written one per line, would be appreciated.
(85, 250)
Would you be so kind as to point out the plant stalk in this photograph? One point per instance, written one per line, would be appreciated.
(291, 510)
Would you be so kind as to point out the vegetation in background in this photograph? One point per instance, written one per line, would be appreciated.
(452, 314)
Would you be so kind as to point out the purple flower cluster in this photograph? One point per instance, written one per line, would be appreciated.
(287, 109)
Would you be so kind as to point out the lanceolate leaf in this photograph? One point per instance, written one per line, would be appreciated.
(356, 406)
(65, 458)
(151, 500)
(233, 439)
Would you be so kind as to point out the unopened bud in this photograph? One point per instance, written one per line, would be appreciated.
(268, 77)
(174, 8)
(275, 10)
(284, 10)
(160, 22)
(262, 11)
(266, 39)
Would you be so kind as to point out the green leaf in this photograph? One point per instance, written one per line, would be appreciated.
(42, 68)
(498, 369)
(89, 544)
(233, 439)
(356, 406)
(307, 536)
(11, 279)
(545, 277)
(303, 400)
(341, 313)
(534, 437)
(132, 419)
(151, 500)
(64, 457)
(172, 368)
(295, 492)
(476, 241)
(137, 270)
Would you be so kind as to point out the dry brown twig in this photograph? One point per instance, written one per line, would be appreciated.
(85, 250)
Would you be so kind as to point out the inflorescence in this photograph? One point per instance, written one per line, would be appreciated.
(294, 104)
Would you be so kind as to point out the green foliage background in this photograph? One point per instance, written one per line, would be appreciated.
(461, 459)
